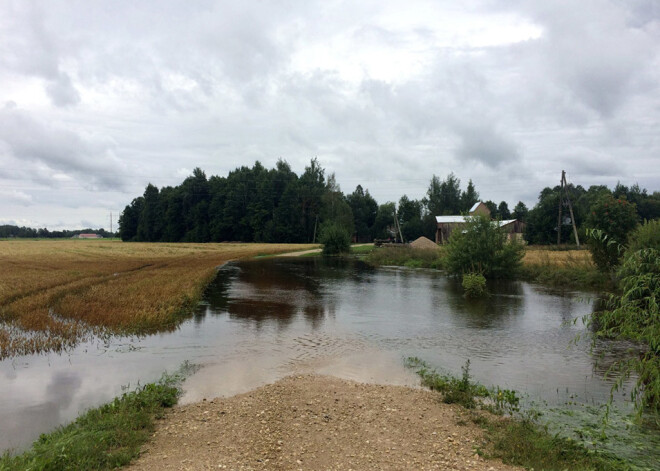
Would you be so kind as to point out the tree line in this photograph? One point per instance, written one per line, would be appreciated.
(276, 205)
(9, 231)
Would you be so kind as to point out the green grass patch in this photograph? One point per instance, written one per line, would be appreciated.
(574, 277)
(405, 257)
(454, 390)
(516, 439)
(107, 437)
(362, 249)
(524, 443)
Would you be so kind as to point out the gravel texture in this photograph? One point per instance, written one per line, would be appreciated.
(315, 422)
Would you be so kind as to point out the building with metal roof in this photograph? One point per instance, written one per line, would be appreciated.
(445, 225)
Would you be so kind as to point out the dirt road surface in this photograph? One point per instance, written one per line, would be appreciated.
(315, 422)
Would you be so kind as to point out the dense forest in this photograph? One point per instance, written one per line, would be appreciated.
(9, 231)
(261, 205)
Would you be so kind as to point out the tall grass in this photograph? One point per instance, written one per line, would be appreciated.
(405, 257)
(563, 268)
(53, 294)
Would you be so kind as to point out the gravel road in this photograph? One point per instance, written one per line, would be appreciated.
(313, 422)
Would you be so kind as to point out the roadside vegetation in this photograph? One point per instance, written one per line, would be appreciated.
(53, 294)
(107, 437)
(632, 312)
(512, 435)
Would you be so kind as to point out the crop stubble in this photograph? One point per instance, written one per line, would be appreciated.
(53, 294)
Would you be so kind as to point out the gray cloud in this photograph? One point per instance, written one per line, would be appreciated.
(62, 92)
(16, 197)
(599, 52)
(108, 98)
(28, 139)
(482, 144)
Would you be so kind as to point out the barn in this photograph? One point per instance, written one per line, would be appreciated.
(447, 224)
(87, 236)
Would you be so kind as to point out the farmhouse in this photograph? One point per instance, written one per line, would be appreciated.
(447, 224)
(87, 236)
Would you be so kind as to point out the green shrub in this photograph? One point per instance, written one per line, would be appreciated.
(474, 285)
(646, 236)
(613, 219)
(335, 239)
(635, 315)
(482, 246)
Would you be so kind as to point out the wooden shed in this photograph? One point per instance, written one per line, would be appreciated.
(447, 224)
(479, 209)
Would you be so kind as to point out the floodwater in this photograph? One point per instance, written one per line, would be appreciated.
(262, 320)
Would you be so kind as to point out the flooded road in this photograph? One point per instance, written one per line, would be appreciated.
(263, 320)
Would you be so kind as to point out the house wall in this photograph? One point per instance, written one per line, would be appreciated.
(444, 230)
(482, 210)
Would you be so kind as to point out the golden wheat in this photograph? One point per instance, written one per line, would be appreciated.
(558, 258)
(53, 294)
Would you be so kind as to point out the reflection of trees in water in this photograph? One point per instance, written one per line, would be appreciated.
(261, 312)
(314, 315)
(277, 290)
(274, 276)
(505, 299)
(215, 297)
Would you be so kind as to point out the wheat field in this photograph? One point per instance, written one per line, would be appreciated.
(56, 293)
(539, 255)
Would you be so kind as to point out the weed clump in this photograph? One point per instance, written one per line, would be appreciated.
(454, 390)
(474, 285)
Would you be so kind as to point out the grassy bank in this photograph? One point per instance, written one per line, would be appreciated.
(55, 293)
(514, 437)
(103, 438)
(405, 257)
(563, 267)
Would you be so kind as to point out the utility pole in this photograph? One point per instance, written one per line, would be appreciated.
(315, 224)
(564, 198)
(110, 223)
(397, 225)
(570, 208)
(560, 222)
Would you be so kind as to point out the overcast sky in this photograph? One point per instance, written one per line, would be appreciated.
(99, 98)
